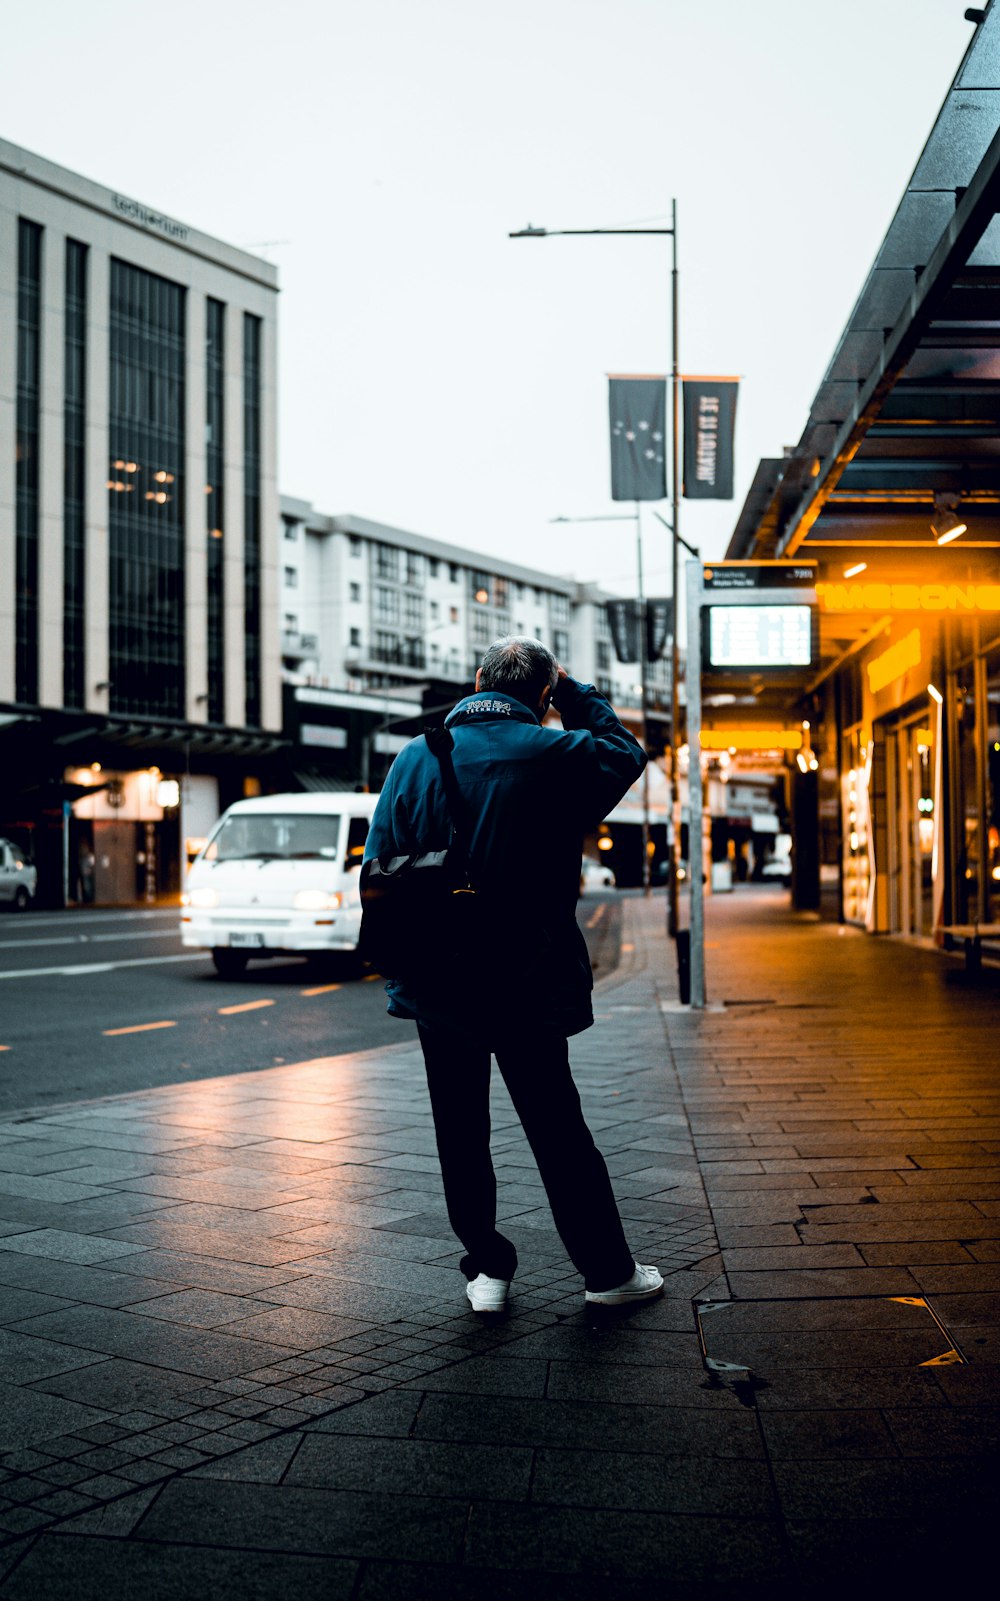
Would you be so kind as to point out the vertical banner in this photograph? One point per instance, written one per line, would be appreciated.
(638, 417)
(623, 621)
(659, 627)
(709, 426)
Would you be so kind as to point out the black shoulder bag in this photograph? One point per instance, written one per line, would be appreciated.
(419, 912)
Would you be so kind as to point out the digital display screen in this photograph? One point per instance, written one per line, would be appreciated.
(760, 636)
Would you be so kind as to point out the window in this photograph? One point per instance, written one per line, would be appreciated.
(291, 528)
(251, 515)
(414, 568)
(453, 572)
(560, 609)
(453, 614)
(29, 277)
(291, 623)
(291, 578)
(413, 611)
(604, 685)
(355, 544)
(215, 363)
(355, 638)
(479, 586)
(500, 595)
(560, 644)
(146, 535)
(603, 655)
(387, 646)
(433, 565)
(435, 610)
(355, 592)
(387, 562)
(386, 604)
(74, 470)
(357, 833)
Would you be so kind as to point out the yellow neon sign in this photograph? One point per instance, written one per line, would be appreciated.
(751, 739)
(909, 597)
(894, 662)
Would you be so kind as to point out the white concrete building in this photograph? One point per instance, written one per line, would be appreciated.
(138, 505)
(365, 606)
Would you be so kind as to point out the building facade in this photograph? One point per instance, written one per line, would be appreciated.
(139, 650)
(365, 607)
(382, 627)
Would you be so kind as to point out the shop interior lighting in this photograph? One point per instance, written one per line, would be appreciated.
(946, 524)
(853, 571)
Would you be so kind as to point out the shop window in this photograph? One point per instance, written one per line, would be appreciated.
(993, 789)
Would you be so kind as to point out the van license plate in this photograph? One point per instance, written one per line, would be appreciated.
(247, 941)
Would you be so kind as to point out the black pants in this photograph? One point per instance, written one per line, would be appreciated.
(536, 1071)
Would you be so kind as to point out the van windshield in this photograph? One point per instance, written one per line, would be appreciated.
(275, 836)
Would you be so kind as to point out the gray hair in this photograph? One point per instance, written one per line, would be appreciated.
(519, 667)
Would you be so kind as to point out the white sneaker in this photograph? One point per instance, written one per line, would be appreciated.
(645, 1284)
(488, 1295)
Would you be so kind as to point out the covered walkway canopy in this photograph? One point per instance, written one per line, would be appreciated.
(905, 426)
(892, 496)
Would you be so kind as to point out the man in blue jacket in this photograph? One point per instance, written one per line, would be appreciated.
(529, 794)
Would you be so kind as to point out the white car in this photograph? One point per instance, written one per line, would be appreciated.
(279, 876)
(594, 875)
(18, 878)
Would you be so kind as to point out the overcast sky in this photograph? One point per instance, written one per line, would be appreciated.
(434, 373)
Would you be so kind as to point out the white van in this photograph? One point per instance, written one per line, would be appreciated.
(278, 877)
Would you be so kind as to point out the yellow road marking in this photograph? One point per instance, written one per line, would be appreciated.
(595, 917)
(138, 1028)
(244, 1006)
(321, 989)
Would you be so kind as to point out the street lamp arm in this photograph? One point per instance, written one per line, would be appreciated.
(695, 552)
(611, 517)
(567, 233)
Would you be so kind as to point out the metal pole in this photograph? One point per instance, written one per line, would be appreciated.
(675, 655)
(695, 798)
(644, 702)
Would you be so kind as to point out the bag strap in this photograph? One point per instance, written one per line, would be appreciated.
(439, 742)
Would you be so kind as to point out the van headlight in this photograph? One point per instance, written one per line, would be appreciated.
(201, 897)
(316, 900)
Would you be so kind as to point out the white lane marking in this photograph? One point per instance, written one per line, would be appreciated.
(79, 919)
(89, 939)
(104, 967)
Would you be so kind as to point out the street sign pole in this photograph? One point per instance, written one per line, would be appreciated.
(695, 796)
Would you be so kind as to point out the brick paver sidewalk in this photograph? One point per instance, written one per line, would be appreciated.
(237, 1359)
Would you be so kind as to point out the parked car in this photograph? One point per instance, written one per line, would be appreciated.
(278, 877)
(595, 875)
(18, 877)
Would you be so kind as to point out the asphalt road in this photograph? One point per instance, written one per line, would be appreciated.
(104, 1002)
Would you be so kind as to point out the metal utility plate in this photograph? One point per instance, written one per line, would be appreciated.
(776, 1336)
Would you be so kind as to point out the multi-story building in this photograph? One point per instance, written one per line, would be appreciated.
(139, 649)
(381, 626)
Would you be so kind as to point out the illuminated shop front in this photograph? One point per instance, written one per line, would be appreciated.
(918, 721)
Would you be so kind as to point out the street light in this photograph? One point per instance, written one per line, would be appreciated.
(531, 232)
